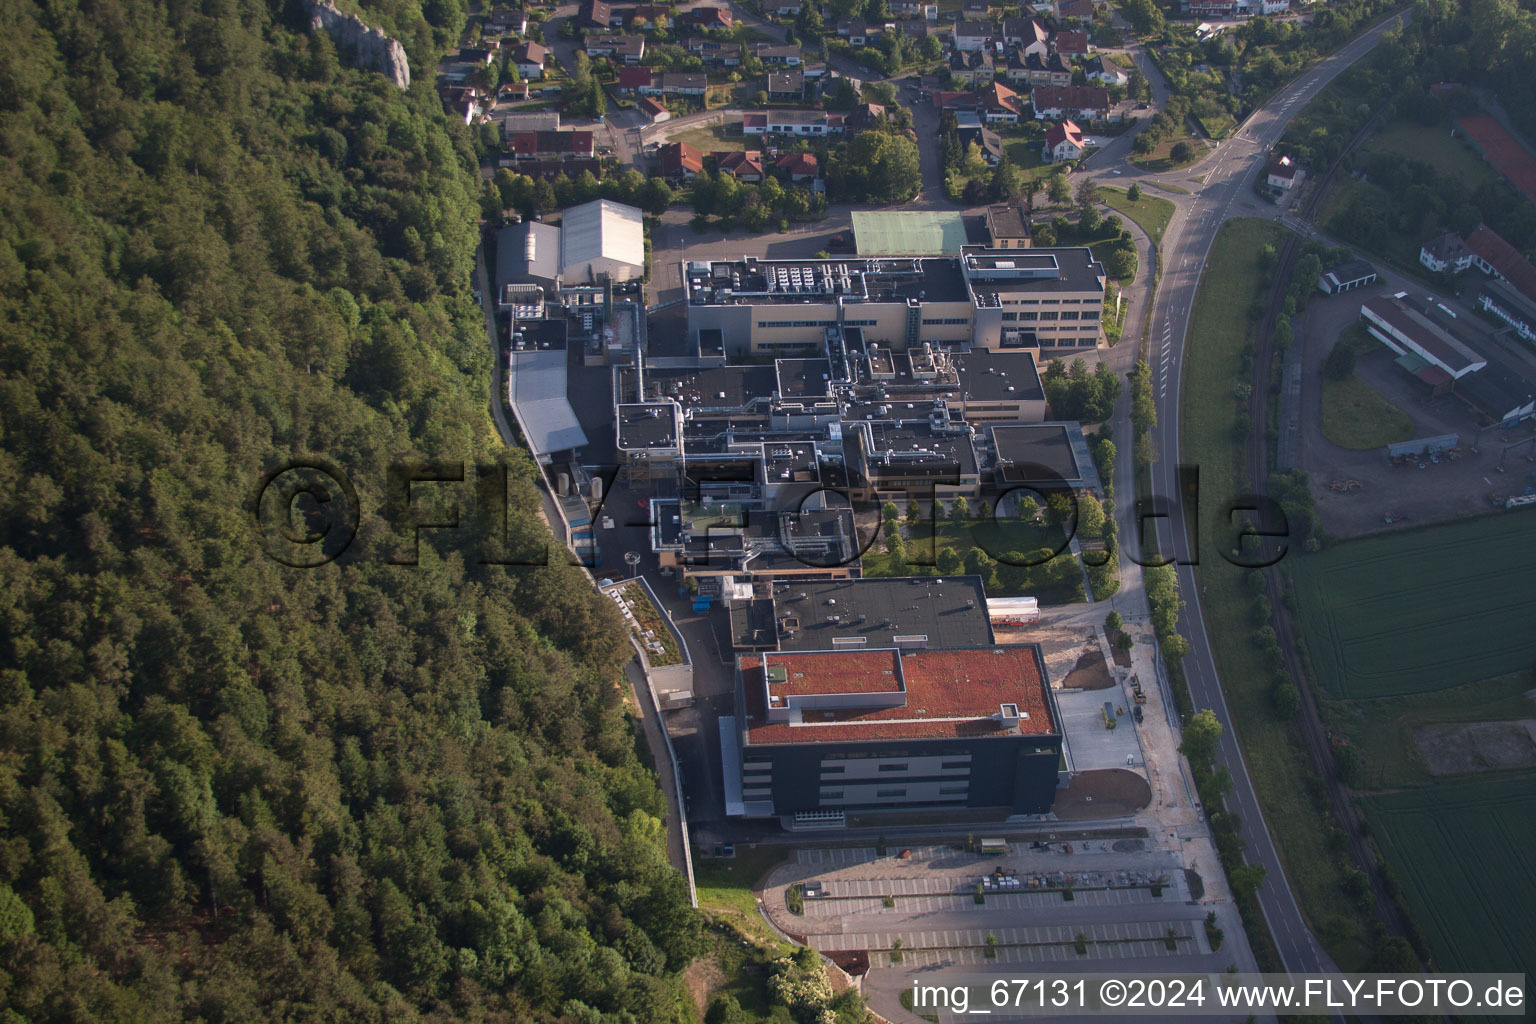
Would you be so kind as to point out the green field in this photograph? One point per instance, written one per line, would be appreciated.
(1419, 611)
(1219, 333)
(1434, 146)
(1463, 855)
(1151, 213)
(1357, 418)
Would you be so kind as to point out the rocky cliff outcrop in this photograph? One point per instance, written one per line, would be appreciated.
(365, 47)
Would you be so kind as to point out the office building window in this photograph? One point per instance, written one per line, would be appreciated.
(952, 790)
(1050, 315)
(882, 793)
(826, 768)
(1070, 315)
(1029, 316)
(1090, 314)
(1010, 316)
(954, 764)
(831, 794)
(894, 767)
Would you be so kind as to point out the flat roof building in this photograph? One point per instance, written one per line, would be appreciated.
(840, 730)
(871, 613)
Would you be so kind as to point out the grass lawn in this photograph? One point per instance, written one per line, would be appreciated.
(1367, 637)
(1462, 853)
(1161, 158)
(1171, 188)
(1277, 763)
(725, 887)
(1435, 146)
(647, 619)
(1381, 728)
(1058, 580)
(1101, 251)
(710, 140)
(1151, 213)
(1357, 418)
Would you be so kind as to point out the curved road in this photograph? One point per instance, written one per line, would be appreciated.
(1227, 192)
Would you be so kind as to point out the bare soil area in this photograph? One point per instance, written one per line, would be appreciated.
(1462, 747)
(1090, 672)
(1103, 793)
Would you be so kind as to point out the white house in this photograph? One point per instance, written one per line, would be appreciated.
(1063, 141)
(529, 58)
(971, 35)
(1283, 173)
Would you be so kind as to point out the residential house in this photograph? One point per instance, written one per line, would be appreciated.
(709, 17)
(784, 8)
(956, 101)
(792, 122)
(1447, 252)
(476, 55)
(972, 35)
(505, 21)
(813, 71)
(743, 166)
(469, 105)
(915, 9)
(1068, 11)
(1080, 102)
(654, 112)
(1063, 141)
(798, 166)
(916, 31)
(1027, 35)
(1104, 72)
(976, 9)
(1000, 104)
(829, 87)
(1497, 258)
(1282, 172)
(855, 31)
(632, 80)
(628, 49)
(1050, 70)
(786, 86)
(973, 67)
(773, 54)
(677, 83)
(596, 15)
(714, 53)
(680, 161)
(529, 58)
(512, 92)
(987, 140)
(865, 115)
(1072, 45)
(1221, 10)
(544, 145)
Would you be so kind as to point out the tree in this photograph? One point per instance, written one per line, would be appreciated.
(973, 163)
(1121, 264)
(1031, 188)
(1145, 16)
(1202, 733)
(1090, 516)
(1246, 880)
(1112, 622)
(1060, 188)
(959, 511)
(1133, 193)
(1340, 364)
(1089, 222)
(808, 22)
(1086, 195)
(1182, 152)
(914, 513)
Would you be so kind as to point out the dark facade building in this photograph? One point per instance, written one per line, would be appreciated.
(826, 732)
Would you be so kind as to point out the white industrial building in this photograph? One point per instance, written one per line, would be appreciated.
(602, 237)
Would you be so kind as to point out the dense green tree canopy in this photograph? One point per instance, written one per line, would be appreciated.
(231, 790)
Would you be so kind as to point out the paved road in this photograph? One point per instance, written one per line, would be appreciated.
(1227, 192)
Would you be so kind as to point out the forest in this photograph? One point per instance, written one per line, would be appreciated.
(231, 790)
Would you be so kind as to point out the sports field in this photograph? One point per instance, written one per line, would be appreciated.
(912, 233)
(1504, 151)
(1463, 855)
(1424, 610)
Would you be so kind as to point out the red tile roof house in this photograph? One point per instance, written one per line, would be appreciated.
(1496, 257)
(1072, 44)
(549, 145)
(1081, 102)
(709, 17)
(743, 166)
(654, 112)
(799, 166)
(632, 80)
(681, 161)
(1063, 141)
(1074, 10)
(825, 731)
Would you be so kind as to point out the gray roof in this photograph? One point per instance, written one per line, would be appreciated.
(1039, 453)
(602, 229)
(950, 610)
(527, 252)
(987, 376)
(536, 388)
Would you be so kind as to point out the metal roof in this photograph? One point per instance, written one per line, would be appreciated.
(529, 251)
(602, 229)
(536, 388)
